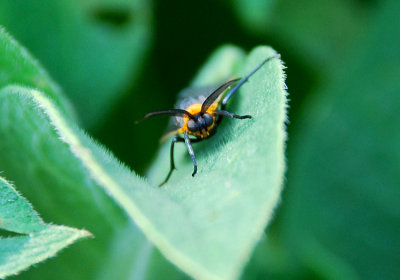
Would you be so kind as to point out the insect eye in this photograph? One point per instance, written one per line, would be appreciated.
(208, 119)
(192, 125)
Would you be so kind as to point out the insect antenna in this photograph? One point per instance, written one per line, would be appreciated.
(229, 95)
(215, 94)
(230, 115)
(171, 112)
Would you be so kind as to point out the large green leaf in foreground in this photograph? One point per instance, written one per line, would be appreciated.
(50, 176)
(37, 242)
(206, 225)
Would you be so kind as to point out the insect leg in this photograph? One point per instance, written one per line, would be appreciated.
(230, 115)
(229, 95)
(191, 152)
(172, 163)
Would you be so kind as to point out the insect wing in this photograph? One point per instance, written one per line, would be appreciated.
(195, 95)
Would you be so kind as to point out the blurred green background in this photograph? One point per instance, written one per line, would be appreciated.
(339, 217)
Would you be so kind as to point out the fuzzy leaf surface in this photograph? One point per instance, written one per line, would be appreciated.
(37, 241)
(208, 225)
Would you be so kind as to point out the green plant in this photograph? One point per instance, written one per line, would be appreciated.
(34, 241)
(218, 216)
(339, 211)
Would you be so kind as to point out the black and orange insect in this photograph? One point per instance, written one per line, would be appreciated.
(200, 112)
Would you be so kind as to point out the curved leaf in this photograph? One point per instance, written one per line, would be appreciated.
(240, 174)
(52, 178)
(217, 216)
(39, 241)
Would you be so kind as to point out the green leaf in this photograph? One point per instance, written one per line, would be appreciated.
(94, 49)
(208, 225)
(16, 214)
(32, 155)
(143, 261)
(39, 241)
(231, 199)
(343, 194)
(18, 66)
